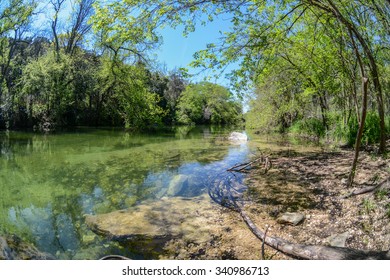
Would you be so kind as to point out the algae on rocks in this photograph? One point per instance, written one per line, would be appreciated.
(163, 219)
(14, 248)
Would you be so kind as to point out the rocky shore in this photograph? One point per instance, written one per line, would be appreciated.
(301, 199)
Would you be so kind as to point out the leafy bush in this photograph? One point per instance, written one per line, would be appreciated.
(371, 132)
(48, 85)
(207, 103)
(338, 126)
(309, 127)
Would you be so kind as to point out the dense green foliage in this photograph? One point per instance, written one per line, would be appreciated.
(309, 127)
(305, 59)
(207, 103)
(371, 132)
(86, 72)
(311, 66)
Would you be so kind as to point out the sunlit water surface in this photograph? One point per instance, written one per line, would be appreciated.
(49, 182)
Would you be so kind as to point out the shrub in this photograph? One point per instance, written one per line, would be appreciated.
(308, 127)
(371, 132)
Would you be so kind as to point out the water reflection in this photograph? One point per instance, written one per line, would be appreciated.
(48, 183)
(49, 229)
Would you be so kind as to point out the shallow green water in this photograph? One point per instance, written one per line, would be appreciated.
(48, 182)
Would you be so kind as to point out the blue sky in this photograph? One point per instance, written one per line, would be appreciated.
(177, 51)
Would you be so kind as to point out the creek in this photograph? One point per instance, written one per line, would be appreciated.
(48, 183)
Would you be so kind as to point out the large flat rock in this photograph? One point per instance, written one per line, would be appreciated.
(167, 217)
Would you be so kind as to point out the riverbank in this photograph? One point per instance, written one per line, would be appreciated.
(313, 184)
(163, 179)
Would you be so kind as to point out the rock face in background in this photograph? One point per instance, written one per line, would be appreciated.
(13, 248)
(238, 138)
(291, 218)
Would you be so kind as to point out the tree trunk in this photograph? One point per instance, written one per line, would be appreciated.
(381, 111)
(360, 131)
(332, 9)
(313, 252)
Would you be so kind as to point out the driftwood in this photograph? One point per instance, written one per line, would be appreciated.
(224, 192)
(367, 189)
(242, 166)
(312, 252)
(265, 160)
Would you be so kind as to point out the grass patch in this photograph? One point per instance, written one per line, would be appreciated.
(381, 194)
(368, 206)
(347, 131)
(371, 132)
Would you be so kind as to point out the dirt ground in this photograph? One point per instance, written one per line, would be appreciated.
(313, 184)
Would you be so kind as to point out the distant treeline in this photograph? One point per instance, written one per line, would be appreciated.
(55, 80)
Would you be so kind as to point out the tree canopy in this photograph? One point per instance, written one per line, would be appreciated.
(207, 103)
(79, 66)
(312, 66)
(320, 63)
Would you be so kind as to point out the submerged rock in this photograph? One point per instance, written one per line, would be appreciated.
(291, 218)
(162, 219)
(183, 185)
(14, 248)
(177, 184)
(238, 138)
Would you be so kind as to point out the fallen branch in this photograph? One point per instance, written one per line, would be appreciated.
(366, 189)
(262, 245)
(240, 167)
(312, 252)
(222, 192)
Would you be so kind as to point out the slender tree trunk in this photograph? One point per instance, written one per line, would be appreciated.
(57, 4)
(381, 111)
(354, 94)
(364, 111)
(332, 9)
(360, 131)
(324, 109)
